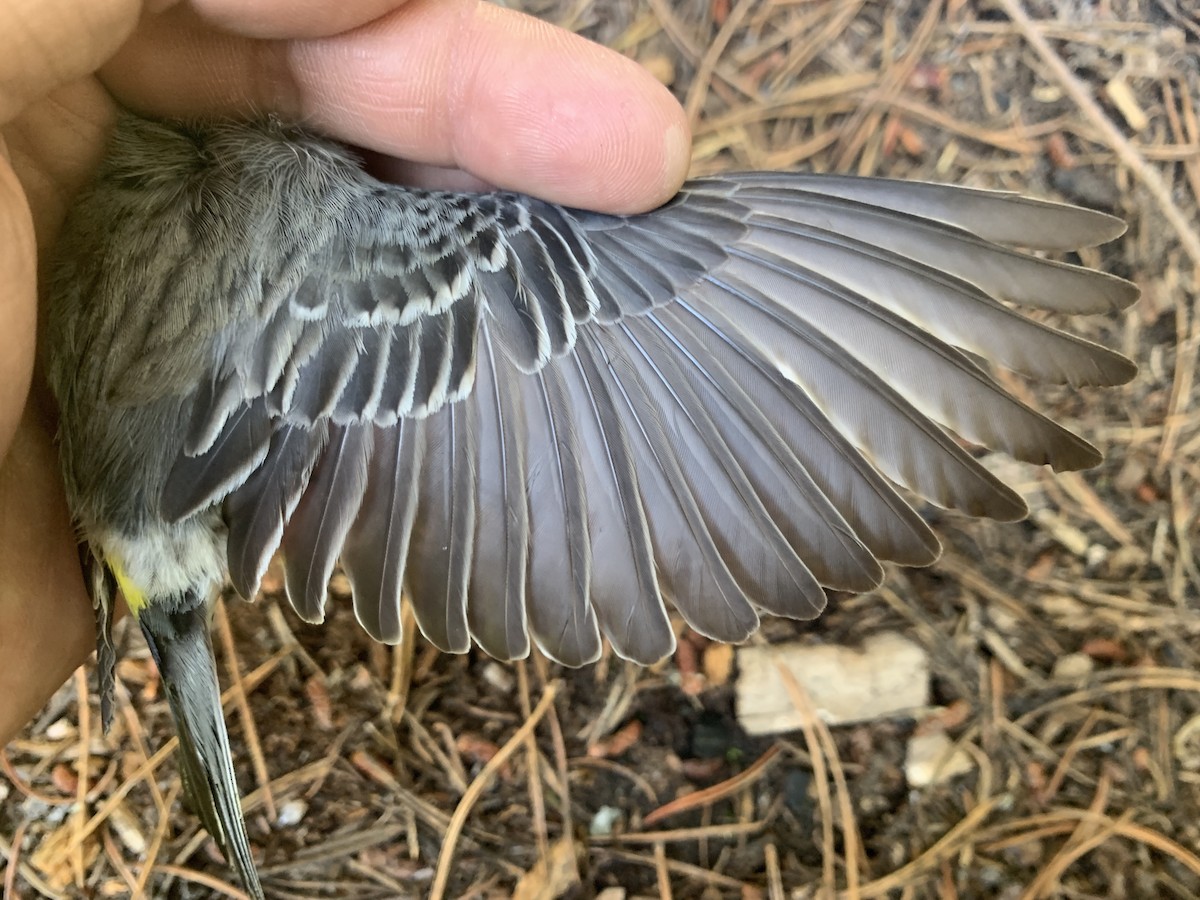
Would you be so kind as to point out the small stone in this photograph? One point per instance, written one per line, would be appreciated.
(60, 730)
(1073, 667)
(934, 759)
(291, 813)
(604, 821)
(498, 676)
(362, 679)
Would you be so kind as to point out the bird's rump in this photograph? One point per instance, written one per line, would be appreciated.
(543, 421)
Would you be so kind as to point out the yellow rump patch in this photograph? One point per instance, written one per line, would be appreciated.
(135, 597)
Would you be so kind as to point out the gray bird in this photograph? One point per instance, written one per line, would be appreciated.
(540, 421)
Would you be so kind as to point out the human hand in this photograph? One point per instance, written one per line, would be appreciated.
(444, 92)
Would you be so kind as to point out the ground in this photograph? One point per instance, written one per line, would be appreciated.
(1086, 774)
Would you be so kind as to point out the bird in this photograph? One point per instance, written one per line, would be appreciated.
(541, 423)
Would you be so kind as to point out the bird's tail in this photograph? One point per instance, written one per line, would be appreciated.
(178, 636)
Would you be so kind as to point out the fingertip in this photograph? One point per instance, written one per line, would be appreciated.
(547, 112)
(677, 155)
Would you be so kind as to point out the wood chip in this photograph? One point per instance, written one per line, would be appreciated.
(887, 676)
(1126, 102)
(553, 876)
(128, 829)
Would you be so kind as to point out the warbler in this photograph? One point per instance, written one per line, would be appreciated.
(541, 422)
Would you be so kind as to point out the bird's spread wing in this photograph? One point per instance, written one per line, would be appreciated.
(543, 421)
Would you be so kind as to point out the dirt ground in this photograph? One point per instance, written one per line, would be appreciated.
(375, 772)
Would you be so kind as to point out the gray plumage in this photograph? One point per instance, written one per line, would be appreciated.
(701, 399)
(540, 420)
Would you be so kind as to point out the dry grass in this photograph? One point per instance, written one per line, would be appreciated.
(380, 773)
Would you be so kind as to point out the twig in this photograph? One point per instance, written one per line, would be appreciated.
(160, 832)
(478, 786)
(208, 881)
(83, 767)
(716, 792)
(537, 799)
(1091, 110)
(662, 874)
(949, 844)
(250, 730)
(698, 91)
(820, 744)
(14, 862)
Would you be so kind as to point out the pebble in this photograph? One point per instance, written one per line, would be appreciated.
(291, 813)
(1073, 667)
(934, 759)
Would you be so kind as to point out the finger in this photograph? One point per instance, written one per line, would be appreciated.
(513, 100)
(18, 302)
(423, 175)
(48, 151)
(46, 624)
(47, 43)
(44, 44)
(516, 102)
(289, 19)
(55, 146)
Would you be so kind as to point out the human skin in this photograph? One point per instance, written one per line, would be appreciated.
(452, 93)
